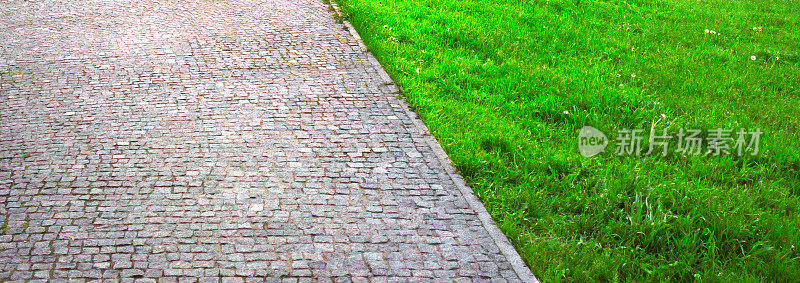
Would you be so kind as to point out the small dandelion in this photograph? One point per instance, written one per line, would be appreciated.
(753, 57)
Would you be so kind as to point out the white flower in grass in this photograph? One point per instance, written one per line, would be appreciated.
(753, 57)
(633, 75)
(566, 112)
(707, 31)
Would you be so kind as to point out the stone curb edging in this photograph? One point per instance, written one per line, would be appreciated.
(500, 239)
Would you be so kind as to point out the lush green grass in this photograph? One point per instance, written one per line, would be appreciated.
(505, 86)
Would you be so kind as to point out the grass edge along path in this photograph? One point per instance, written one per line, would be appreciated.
(505, 85)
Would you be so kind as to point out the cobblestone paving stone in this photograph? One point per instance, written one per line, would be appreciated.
(218, 140)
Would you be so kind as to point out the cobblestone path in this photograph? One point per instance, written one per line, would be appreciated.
(217, 139)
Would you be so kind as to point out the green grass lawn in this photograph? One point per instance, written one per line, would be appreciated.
(506, 85)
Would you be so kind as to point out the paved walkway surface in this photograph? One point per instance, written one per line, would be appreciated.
(216, 139)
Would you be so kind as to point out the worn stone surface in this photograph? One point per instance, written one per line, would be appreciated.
(217, 140)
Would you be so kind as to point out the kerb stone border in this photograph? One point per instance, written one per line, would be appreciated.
(499, 237)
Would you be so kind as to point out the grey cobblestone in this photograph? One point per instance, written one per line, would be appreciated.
(173, 141)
